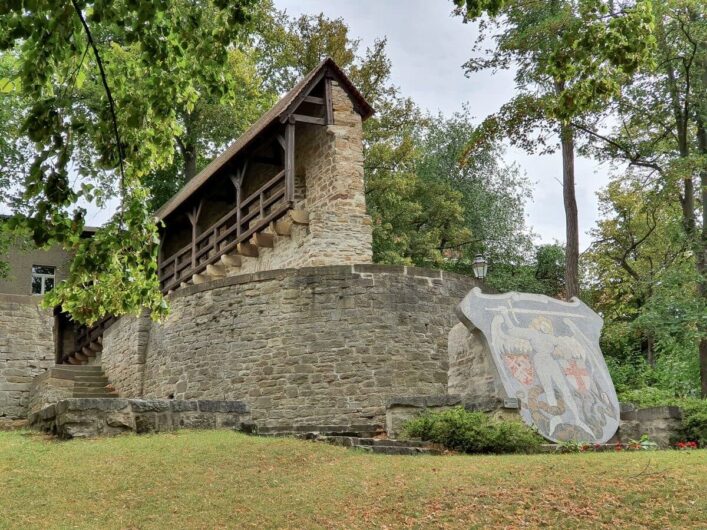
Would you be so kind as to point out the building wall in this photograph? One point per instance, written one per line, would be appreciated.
(19, 279)
(311, 347)
(127, 343)
(26, 350)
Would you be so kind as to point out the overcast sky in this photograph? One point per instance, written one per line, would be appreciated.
(427, 47)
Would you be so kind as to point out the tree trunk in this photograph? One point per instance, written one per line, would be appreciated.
(701, 251)
(189, 155)
(571, 224)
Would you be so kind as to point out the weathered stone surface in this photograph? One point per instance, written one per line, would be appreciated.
(547, 355)
(26, 350)
(660, 424)
(320, 346)
(472, 372)
(81, 418)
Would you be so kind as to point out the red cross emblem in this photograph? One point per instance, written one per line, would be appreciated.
(578, 376)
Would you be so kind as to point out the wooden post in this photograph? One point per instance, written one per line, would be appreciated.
(328, 102)
(194, 220)
(237, 181)
(290, 160)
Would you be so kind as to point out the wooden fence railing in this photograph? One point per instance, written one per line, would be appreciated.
(252, 215)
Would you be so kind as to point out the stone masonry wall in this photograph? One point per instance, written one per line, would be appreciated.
(329, 186)
(26, 350)
(321, 346)
(127, 342)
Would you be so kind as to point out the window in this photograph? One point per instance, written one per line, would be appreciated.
(42, 279)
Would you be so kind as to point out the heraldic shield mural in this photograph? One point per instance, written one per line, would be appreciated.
(547, 354)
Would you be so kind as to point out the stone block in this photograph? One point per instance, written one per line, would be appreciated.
(222, 406)
(149, 405)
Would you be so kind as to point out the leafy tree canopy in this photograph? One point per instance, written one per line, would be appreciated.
(163, 56)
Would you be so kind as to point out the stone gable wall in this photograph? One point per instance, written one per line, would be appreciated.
(324, 346)
(329, 187)
(26, 350)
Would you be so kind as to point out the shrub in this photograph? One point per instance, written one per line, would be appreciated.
(472, 432)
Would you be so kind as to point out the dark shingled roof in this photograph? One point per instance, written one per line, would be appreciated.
(281, 108)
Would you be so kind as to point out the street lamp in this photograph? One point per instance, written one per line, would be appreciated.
(480, 266)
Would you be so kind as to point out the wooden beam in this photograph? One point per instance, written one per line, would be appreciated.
(314, 99)
(303, 118)
(329, 101)
(290, 161)
(194, 220)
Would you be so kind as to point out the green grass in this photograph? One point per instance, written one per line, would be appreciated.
(221, 479)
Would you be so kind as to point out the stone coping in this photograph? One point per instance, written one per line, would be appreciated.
(27, 299)
(652, 413)
(328, 270)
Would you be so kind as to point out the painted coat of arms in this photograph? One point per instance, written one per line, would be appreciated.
(547, 355)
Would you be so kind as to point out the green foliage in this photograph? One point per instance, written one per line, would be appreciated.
(570, 58)
(544, 274)
(432, 207)
(643, 280)
(473, 432)
(104, 82)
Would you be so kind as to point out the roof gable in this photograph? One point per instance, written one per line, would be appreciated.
(280, 112)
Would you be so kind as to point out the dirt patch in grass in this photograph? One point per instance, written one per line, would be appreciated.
(221, 479)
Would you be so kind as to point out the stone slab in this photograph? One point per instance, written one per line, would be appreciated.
(91, 417)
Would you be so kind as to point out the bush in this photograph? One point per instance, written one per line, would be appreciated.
(472, 432)
(694, 410)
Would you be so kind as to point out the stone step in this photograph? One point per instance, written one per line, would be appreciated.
(383, 446)
(94, 394)
(409, 451)
(92, 384)
(91, 379)
(78, 368)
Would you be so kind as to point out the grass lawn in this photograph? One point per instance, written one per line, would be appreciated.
(221, 479)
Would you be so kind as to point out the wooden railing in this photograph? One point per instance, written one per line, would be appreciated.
(253, 214)
(85, 336)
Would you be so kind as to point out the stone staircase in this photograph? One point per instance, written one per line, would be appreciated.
(89, 381)
(383, 446)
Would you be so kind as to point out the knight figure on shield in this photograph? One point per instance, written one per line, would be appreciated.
(553, 359)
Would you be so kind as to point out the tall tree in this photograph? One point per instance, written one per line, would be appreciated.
(569, 57)
(661, 131)
(639, 271)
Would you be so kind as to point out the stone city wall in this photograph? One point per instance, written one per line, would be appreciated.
(312, 347)
(127, 343)
(26, 350)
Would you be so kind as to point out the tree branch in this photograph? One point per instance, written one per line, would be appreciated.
(111, 102)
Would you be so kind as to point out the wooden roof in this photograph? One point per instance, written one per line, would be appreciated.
(279, 112)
